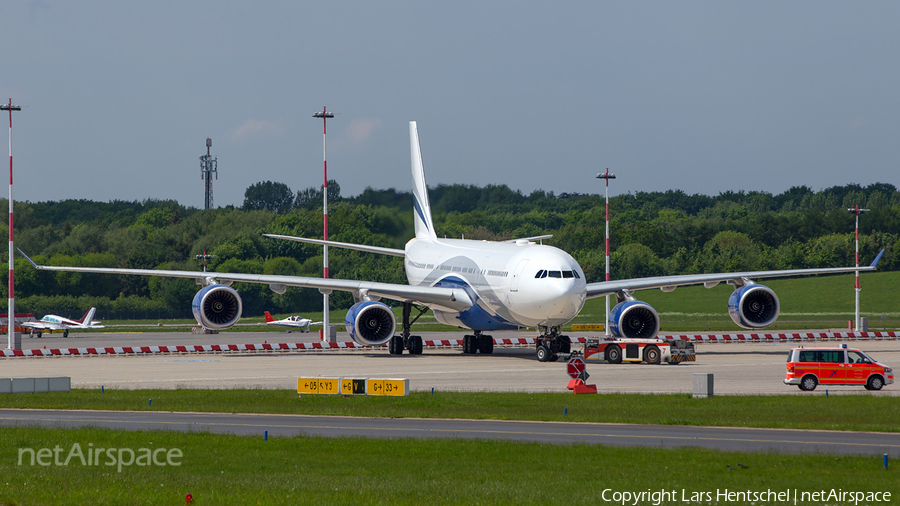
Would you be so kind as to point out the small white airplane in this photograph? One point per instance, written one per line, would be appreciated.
(297, 322)
(53, 322)
(478, 285)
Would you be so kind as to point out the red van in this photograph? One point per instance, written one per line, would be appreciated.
(808, 367)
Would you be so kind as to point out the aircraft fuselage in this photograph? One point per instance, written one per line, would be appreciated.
(512, 284)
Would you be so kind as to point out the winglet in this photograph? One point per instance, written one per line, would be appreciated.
(877, 259)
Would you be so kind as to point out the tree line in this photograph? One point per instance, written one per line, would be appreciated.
(652, 234)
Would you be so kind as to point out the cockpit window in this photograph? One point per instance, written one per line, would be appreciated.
(543, 273)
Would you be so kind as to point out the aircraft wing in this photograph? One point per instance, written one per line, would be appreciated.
(450, 299)
(42, 325)
(669, 283)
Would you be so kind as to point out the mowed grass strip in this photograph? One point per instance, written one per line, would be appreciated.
(859, 412)
(227, 469)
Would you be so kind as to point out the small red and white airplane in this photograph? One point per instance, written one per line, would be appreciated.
(53, 322)
(291, 321)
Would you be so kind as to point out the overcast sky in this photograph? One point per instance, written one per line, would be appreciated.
(119, 97)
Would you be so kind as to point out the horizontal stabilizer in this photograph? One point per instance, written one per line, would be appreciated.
(345, 245)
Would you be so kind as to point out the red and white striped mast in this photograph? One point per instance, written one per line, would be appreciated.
(857, 211)
(11, 314)
(607, 176)
(325, 115)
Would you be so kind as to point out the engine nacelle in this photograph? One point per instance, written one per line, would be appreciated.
(217, 307)
(370, 323)
(753, 306)
(634, 319)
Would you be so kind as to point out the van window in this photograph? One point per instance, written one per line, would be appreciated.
(855, 357)
(832, 356)
(827, 356)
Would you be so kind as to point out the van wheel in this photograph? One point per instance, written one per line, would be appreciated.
(808, 383)
(875, 383)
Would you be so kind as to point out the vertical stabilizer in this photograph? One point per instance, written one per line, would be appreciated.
(88, 317)
(421, 207)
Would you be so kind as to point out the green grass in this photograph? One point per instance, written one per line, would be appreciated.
(838, 412)
(227, 469)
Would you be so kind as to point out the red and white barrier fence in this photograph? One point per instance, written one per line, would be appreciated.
(521, 341)
(784, 338)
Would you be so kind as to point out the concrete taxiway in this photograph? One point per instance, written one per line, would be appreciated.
(674, 436)
(738, 369)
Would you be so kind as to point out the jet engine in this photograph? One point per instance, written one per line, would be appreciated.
(371, 323)
(217, 307)
(753, 306)
(634, 319)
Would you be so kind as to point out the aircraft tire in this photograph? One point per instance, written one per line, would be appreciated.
(543, 353)
(66, 333)
(487, 345)
(565, 344)
(417, 346)
(470, 345)
(395, 345)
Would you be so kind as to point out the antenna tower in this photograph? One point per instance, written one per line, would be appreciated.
(208, 166)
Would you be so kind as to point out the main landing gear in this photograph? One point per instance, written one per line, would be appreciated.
(550, 344)
(405, 341)
(474, 343)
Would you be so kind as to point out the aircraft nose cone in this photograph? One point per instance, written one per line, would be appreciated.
(556, 302)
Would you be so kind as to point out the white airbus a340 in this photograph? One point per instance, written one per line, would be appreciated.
(479, 285)
(53, 322)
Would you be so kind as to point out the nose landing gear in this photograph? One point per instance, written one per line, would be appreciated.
(550, 344)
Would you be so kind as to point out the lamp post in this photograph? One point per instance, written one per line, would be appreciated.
(325, 115)
(857, 211)
(203, 257)
(607, 176)
(11, 311)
